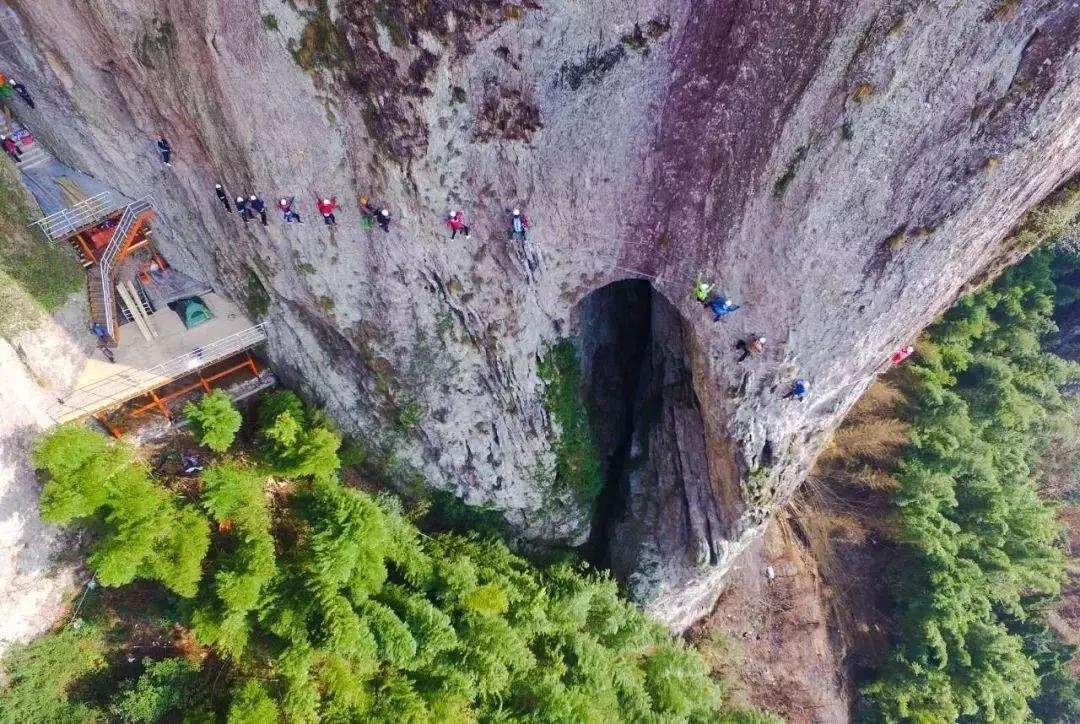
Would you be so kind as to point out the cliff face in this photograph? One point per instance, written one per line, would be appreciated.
(841, 169)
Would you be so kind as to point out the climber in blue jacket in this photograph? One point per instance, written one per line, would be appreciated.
(721, 306)
(798, 391)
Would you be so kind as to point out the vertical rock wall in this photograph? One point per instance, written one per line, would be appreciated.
(843, 168)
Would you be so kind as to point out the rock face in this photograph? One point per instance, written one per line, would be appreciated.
(841, 168)
(36, 364)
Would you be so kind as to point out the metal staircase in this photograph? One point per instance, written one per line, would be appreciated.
(34, 156)
(100, 278)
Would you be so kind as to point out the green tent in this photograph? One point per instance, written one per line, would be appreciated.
(193, 312)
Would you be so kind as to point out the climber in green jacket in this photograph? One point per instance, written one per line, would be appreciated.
(701, 290)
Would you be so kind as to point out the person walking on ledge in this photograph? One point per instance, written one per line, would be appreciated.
(222, 197)
(519, 225)
(384, 220)
(12, 149)
(288, 213)
(326, 208)
(258, 207)
(456, 221)
(752, 345)
(798, 391)
(164, 149)
(23, 92)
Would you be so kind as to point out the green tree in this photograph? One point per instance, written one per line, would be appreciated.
(251, 704)
(39, 676)
(988, 399)
(144, 530)
(295, 441)
(331, 605)
(214, 420)
(165, 686)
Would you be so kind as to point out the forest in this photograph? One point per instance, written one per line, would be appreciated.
(265, 588)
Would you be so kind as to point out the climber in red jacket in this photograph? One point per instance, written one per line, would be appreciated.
(456, 221)
(12, 149)
(326, 208)
(902, 354)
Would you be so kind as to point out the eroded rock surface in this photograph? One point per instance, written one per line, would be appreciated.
(841, 168)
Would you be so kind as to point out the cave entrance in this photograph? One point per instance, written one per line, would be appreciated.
(634, 371)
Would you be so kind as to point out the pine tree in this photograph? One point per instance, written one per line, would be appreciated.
(215, 420)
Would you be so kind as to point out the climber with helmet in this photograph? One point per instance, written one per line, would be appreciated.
(720, 306)
(287, 211)
(12, 149)
(751, 345)
(258, 206)
(222, 197)
(164, 149)
(798, 391)
(22, 91)
(326, 208)
(456, 221)
(902, 354)
(519, 225)
(242, 209)
(702, 289)
(367, 213)
(384, 220)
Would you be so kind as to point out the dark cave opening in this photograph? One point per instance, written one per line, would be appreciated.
(616, 334)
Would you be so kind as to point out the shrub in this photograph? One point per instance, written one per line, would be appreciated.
(40, 676)
(577, 465)
(165, 686)
(215, 420)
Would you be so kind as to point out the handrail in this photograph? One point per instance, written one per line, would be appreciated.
(130, 383)
(60, 224)
(131, 213)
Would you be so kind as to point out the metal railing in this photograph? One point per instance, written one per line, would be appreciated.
(123, 386)
(61, 224)
(131, 213)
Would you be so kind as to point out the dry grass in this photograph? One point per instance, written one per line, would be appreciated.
(873, 441)
(863, 91)
(35, 277)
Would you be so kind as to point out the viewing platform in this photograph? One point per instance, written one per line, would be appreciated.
(162, 335)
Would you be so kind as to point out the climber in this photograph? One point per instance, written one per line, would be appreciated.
(102, 333)
(222, 197)
(798, 390)
(22, 91)
(752, 345)
(164, 149)
(326, 208)
(242, 209)
(456, 221)
(702, 290)
(6, 91)
(12, 149)
(258, 207)
(720, 306)
(902, 354)
(519, 225)
(367, 213)
(384, 220)
(287, 211)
